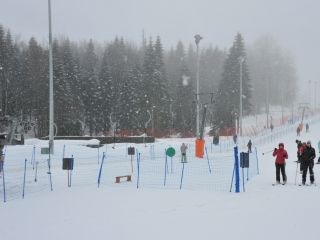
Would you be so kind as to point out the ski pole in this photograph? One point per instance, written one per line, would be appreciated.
(295, 180)
(267, 152)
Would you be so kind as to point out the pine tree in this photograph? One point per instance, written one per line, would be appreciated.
(155, 94)
(2, 71)
(90, 88)
(67, 110)
(227, 100)
(35, 86)
(106, 91)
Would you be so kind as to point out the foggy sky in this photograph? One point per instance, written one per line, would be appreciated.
(293, 23)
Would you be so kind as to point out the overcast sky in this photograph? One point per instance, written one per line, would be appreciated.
(293, 23)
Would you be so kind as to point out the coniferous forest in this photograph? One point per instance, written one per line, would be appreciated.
(138, 87)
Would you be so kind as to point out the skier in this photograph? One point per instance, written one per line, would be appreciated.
(319, 151)
(183, 149)
(280, 163)
(235, 138)
(307, 162)
(300, 148)
(215, 140)
(298, 131)
(271, 127)
(299, 145)
(307, 127)
(249, 145)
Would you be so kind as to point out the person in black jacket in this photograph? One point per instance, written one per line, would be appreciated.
(307, 161)
(249, 145)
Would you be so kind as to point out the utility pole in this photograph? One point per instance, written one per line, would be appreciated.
(241, 60)
(197, 40)
(51, 116)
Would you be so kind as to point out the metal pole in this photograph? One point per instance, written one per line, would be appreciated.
(51, 138)
(152, 122)
(315, 95)
(197, 40)
(309, 92)
(240, 107)
(198, 106)
(267, 106)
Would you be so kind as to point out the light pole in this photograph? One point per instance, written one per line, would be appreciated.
(241, 60)
(152, 116)
(51, 138)
(309, 92)
(315, 95)
(197, 40)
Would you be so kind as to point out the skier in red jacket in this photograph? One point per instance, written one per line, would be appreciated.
(281, 156)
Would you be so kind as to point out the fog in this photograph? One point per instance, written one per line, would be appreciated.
(293, 23)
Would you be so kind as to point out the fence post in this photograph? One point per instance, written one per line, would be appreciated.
(182, 171)
(64, 150)
(3, 181)
(208, 160)
(33, 157)
(138, 169)
(99, 175)
(24, 177)
(165, 170)
(36, 173)
(257, 160)
(236, 169)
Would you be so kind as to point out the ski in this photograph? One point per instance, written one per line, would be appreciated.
(276, 184)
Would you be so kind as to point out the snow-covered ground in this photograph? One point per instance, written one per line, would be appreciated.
(202, 209)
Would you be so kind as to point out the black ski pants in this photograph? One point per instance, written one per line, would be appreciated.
(305, 166)
(282, 168)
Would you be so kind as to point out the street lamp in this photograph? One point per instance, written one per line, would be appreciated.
(152, 117)
(241, 60)
(315, 95)
(51, 138)
(197, 40)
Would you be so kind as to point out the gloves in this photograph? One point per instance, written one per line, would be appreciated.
(275, 149)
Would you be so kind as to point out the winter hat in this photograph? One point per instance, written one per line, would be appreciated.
(281, 144)
(309, 142)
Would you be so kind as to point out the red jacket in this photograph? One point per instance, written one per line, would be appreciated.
(281, 154)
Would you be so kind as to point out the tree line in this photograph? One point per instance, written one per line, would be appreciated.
(141, 87)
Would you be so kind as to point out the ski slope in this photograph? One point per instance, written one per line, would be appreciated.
(121, 211)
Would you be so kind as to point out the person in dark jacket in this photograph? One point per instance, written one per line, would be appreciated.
(299, 145)
(299, 153)
(307, 161)
(249, 145)
(183, 149)
(281, 156)
(235, 138)
(298, 131)
(307, 127)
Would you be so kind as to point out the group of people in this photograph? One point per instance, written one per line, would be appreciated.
(305, 154)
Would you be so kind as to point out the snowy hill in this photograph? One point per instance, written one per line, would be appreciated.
(121, 211)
